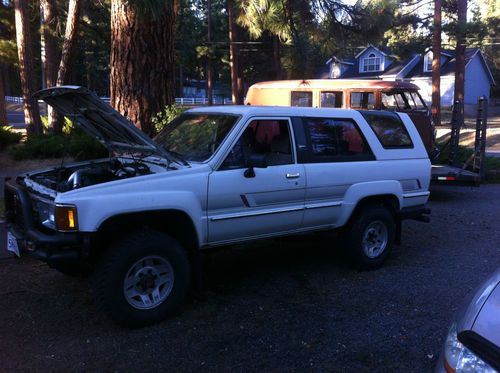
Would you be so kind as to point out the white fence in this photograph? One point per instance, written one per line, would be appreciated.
(180, 101)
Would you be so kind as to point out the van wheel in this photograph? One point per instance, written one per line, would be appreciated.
(370, 237)
(142, 279)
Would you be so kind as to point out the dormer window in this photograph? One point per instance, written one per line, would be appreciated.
(428, 62)
(371, 63)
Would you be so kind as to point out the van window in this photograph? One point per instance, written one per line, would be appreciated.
(389, 129)
(415, 101)
(301, 98)
(394, 101)
(265, 137)
(363, 100)
(331, 99)
(336, 140)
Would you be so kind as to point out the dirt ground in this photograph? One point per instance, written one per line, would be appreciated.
(275, 305)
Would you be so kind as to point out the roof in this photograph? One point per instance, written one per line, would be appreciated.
(448, 67)
(334, 83)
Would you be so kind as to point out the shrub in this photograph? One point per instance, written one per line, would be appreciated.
(161, 119)
(8, 137)
(67, 126)
(77, 144)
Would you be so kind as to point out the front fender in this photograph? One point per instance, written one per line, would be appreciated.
(94, 210)
(359, 191)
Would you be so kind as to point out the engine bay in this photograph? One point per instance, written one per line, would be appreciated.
(66, 178)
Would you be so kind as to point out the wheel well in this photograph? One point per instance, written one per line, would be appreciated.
(389, 201)
(175, 223)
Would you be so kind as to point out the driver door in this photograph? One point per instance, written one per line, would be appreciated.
(244, 204)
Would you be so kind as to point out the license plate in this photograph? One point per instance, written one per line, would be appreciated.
(12, 244)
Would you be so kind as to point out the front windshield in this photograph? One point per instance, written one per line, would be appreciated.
(196, 137)
(402, 101)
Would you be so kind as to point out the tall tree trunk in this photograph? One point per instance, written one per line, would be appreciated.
(24, 51)
(3, 111)
(436, 64)
(209, 60)
(233, 53)
(460, 51)
(67, 55)
(50, 57)
(142, 62)
(276, 57)
(181, 80)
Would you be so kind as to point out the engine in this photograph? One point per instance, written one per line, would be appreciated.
(63, 179)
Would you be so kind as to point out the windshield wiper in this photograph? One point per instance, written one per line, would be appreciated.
(177, 156)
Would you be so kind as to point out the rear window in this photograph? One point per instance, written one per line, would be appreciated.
(300, 98)
(389, 129)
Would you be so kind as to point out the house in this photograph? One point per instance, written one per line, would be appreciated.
(378, 63)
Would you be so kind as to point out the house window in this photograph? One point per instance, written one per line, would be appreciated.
(428, 62)
(371, 63)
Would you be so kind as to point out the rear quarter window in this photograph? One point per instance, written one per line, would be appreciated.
(389, 129)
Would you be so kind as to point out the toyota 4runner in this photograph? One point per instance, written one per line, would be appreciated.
(214, 176)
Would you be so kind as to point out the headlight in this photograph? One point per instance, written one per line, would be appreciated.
(46, 214)
(66, 218)
(459, 358)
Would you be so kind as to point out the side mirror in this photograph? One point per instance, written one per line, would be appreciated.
(257, 161)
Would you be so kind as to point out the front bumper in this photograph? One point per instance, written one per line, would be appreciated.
(48, 246)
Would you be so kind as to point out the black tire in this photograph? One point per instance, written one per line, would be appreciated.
(121, 258)
(357, 238)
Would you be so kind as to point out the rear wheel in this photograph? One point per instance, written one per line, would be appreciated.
(370, 237)
(142, 279)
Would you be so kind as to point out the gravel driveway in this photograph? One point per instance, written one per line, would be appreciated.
(287, 304)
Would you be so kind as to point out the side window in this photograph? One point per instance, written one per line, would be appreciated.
(336, 140)
(389, 129)
(362, 100)
(301, 98)
(263, 137)
(331, 99)
(394, 101)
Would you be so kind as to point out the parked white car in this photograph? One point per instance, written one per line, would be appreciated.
(215, 176)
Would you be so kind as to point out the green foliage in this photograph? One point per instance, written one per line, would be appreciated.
(68, 125)
(8, 137)
(163, 118)
(77, 145)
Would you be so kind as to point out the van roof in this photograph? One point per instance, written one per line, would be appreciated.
(335, 83)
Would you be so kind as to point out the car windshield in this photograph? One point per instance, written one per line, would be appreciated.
(196, 137)
(402, 100)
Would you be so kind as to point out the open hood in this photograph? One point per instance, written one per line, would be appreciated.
(99, 119)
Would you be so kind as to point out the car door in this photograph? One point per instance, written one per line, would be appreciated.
(246, 202)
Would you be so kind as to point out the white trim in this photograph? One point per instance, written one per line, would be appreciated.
(369, 45)
(255, 213)
(417, 194)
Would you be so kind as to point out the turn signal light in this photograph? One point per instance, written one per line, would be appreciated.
(66, 218)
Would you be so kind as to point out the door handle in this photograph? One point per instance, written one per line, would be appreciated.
(292, 176)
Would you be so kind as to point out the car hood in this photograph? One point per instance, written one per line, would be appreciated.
(99, 119)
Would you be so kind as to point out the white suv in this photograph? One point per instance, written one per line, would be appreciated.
(215, 176)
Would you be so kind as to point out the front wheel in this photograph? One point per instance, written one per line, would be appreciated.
(370, 237)
(142, 279)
